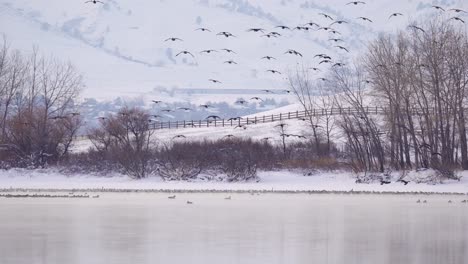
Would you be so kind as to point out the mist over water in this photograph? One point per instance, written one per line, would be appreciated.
(267, 228)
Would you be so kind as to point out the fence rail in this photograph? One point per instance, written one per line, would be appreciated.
(239, 122)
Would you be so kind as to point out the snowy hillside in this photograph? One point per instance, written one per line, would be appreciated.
(120, 47)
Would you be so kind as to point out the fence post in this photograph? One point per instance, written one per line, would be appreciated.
(280, 116)
(272, 119)
(247, 120)
(289, 115)
(223, 122)
(255, 119)
(263, 119)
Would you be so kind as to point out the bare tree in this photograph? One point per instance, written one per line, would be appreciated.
(315, 102)
(36, 97)
(361, 130)
(422, 77)
(126, 137)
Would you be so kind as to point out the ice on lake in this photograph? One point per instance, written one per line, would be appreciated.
(266, 228)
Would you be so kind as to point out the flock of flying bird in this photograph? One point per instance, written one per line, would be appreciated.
(310, 26)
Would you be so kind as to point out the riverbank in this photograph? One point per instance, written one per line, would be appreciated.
(277, 181)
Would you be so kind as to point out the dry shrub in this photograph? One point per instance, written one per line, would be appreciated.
(238, 159)
(184, 160)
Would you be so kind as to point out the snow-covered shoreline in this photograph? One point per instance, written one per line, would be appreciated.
(276, 182)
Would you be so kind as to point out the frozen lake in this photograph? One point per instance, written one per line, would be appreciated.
(266, 228)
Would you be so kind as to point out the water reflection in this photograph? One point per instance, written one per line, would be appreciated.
(149, 228)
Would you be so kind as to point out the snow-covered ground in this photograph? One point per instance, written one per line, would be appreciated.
(279, 181)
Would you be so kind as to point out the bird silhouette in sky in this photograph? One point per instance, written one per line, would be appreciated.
(185, 53)
(203, 29)
(94, 2)
(229, 51)
(356, 3)
(173, 39)
(395, 15)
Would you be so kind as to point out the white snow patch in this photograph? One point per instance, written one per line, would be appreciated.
(279, 181)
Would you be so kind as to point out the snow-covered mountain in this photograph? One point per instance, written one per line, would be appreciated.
(119, 46)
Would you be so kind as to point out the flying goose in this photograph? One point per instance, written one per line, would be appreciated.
(438, 8)
(94, 2)
(274, 71)
(365, 19)
(417, 28)
(339, 22)
(312, 24)
(268, 58)
(395, 15)
(185, 53)
(338, 64)
(229, 51)
(325, 61)
(458, 19)
(208, 51)
(342, 48)
(256, 30)
(457, 10)
(173, 39)
(356, 3)
(226, 34)
(213, 117)
(269, 35)
(293, 52)
(267, 91)
(326, 16)
(203, 29)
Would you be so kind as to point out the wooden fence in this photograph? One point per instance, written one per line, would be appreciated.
(242, 121)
